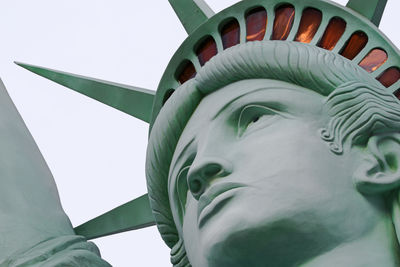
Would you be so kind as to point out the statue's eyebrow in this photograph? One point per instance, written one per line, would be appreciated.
(234, 99)
(227, 105)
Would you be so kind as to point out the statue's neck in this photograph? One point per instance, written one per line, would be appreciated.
(377, 248)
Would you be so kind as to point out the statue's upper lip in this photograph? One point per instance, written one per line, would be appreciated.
(215, 191)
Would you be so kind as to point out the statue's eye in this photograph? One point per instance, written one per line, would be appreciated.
(182, 187)
(254, 117)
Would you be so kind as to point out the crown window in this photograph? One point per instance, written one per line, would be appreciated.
(374, 60)
(230, 34)
(389, 77)
(309, 24)
(354, 45)
(284, 16)
(332, 34)
(187, 72)
(206, 50)
(256, 24)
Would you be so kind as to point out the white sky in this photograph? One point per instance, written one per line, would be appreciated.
(96, 153)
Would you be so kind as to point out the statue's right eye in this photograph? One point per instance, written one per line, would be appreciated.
(254, 120)
(254, 117)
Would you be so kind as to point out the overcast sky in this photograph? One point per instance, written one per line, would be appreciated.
(96, 153)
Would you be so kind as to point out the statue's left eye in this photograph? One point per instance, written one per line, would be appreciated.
(254, 117)
(182, 187)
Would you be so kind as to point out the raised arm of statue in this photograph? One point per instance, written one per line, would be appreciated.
(34, 230)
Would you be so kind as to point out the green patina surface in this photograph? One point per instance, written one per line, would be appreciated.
(134, 101)
(326, 129)
(191, 13)
(355, 22)
(372, 9)
(133, 215)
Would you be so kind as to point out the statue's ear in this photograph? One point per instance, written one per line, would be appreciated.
(380, 171)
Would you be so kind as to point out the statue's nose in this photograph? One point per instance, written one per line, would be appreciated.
(203, 172)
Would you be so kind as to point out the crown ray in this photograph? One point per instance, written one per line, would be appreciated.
(191, 13)
(133, 215)
(371, 9)
(134, 101)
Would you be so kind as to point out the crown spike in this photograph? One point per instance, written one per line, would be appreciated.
(135, 214)
(137, 102)
(371, 9)
(191, 13)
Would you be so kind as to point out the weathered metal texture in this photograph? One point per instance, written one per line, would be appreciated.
(133, 215)
(191, 13)
(134, 101)
(371, 9)
(354, 22)
(201, 23)
(34, 227)
(249, 168)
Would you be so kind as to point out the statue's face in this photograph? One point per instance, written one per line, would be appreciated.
(252, 181)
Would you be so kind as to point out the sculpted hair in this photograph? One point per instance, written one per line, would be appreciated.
(359, 111)
(302, 64)
(358, 104)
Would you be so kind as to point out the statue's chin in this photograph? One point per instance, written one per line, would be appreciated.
(245, 241)
(258, 247)
(231, 240)
(245, 233)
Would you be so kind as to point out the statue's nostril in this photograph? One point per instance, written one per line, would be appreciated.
(195, 186)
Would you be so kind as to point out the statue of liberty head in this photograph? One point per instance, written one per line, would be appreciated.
(274, 135)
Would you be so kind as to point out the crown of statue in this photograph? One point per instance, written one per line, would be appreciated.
(350, 32)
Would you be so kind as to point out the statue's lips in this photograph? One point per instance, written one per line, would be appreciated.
(215, 198)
